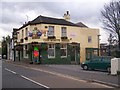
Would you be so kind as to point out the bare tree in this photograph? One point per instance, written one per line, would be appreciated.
(111, 19)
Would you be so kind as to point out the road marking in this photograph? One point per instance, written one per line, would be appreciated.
(10, 71)
(101, 85)
(55, 73)
(61, 75)
(28, 79)
(35, 82)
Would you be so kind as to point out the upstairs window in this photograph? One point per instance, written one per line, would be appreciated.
(22, 34)
(89, 39)
(50, 31)
(26, 32)
(63, 32)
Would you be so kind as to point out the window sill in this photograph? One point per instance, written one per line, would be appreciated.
(50, 57)
(63, 56)
(26, 57)
(64, 37)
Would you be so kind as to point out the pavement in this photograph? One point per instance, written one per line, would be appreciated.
(0, 74)
(73, 71)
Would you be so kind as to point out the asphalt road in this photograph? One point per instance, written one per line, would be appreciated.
(77, 71)
(10, 80)
(16, 76)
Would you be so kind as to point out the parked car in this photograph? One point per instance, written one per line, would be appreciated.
(98, 63)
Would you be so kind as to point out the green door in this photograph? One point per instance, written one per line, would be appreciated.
(73, 55)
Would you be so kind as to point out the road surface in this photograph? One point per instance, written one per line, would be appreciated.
(18, 76)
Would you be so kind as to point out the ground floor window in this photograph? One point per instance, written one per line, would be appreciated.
(16, 53)
(51, 50)
(63, 50)
(91, 53)
(25, 51)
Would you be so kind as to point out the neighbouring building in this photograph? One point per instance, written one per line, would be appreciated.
(48, 40)
(108, 50)
(104, 49)
(0, 48)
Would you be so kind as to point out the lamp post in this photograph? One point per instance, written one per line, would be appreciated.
(99, 45)
(110, 42)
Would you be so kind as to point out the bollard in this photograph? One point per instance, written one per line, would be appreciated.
(118, 75)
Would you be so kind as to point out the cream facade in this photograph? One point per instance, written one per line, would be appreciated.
(87, 37)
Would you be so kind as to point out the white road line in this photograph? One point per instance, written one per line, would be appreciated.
(62, 75)
(28, 78)
(55, 73)
(10, 71)
(102, 85)
(35, 82)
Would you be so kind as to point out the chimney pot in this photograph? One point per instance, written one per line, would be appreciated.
(67, 12)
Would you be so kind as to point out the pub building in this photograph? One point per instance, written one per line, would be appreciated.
(47, 40)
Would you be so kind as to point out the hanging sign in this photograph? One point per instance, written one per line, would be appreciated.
(36, 52)
(35, 33)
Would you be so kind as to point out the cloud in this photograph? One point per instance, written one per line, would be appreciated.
(16, 13)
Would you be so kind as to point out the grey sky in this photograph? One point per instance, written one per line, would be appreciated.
(86, 11)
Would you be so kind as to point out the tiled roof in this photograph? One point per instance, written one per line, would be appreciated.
(81, 25)
(49, 20)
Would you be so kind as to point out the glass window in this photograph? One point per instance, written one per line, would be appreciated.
(25, 51)
(63, 50)
(26, 32)
(16, 53)
(50, 31)
(51, 51)
(25, 47)
(95, 52)
(89, 39)
(22, 34)
(63, 32)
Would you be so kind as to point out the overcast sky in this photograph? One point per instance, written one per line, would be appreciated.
(14, 14)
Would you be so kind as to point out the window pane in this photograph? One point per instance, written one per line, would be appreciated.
(16, 53)
(63, 46)
(51, 46)
(51, 52)
(26, 32)
(22, 34)
(63, 32)
(89, 39)
(25, 47)
(51, 31)
(63, 52)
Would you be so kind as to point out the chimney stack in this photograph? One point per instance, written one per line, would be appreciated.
(67, 16)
